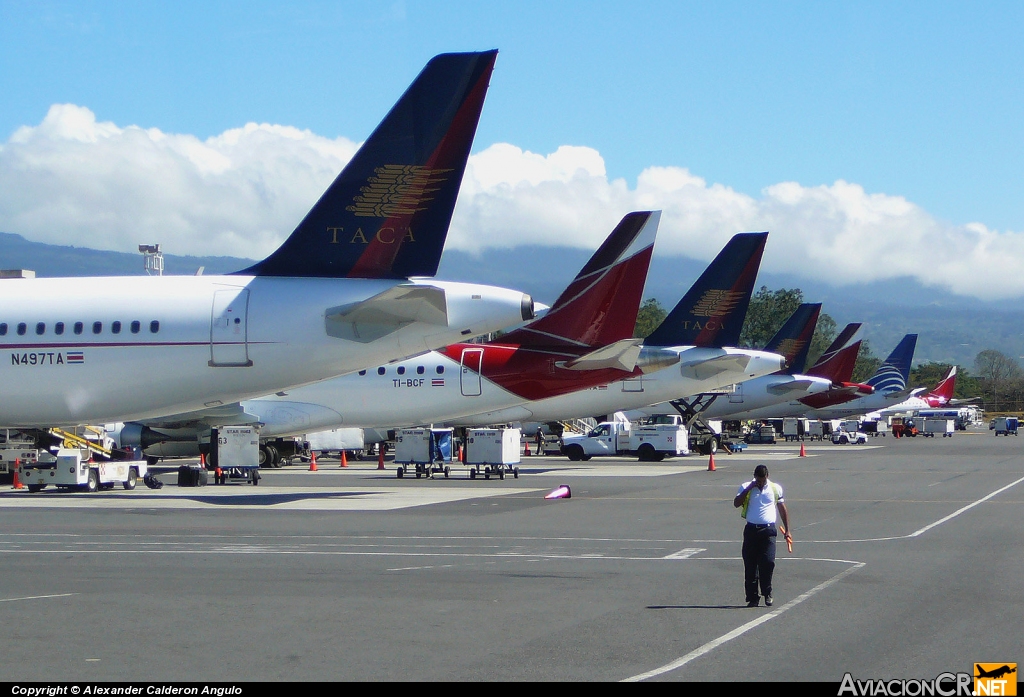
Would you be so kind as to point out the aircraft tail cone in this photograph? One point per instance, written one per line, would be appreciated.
(380, 456)
(17, 470)
(344, 459)
(803, 452)
(312, 462)
(562, 492)
(711, 463)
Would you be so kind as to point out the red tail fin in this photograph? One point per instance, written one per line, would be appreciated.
(943, 392)
(839, 366)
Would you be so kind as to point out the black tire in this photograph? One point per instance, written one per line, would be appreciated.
(472, 474)
(515, 473)
(713, 446)
(93, 483)
(133, 479)
(574, 452)
(501, 474)
(401, 472)
(645, 453)
(33, 488)
(152, 461)
(275, 457)
(264, 458)
(447, 471)
(843, 440)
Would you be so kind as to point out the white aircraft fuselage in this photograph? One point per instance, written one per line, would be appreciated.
(94, 350)
(758, 393)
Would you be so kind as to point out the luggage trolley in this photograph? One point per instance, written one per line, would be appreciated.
(495, 450)
(427, 450)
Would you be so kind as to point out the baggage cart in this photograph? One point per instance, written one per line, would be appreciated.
(493, 451)
(427, 450)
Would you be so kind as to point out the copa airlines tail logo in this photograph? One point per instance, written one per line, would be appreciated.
(397, 190)
(995, 679)
(715, 303)
(791, 347)
(888, 378)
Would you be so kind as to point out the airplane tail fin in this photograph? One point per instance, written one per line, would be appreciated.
(793, 340)
(600, 306)
(838, 366)
(387, 213)
(893, 374)
(943, 392)
(712, 311)
(837, 345)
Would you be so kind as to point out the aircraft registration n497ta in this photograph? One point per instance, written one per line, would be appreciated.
(334, 298)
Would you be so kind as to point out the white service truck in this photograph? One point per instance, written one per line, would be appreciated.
(72, 469)
(649, 443)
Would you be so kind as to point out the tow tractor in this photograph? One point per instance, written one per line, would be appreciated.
(71, 469)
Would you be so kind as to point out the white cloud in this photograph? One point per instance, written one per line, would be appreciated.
(73, 180)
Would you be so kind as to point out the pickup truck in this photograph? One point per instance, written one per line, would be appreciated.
(649, 443)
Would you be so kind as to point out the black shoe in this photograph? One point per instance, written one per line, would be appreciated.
(753, 603)
(768, 601)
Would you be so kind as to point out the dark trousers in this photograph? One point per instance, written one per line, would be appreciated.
(758, 558)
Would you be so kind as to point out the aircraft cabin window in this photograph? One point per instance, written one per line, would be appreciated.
(380, 371)
(362, 372)
(78, 327)
(401, 370)
(154, 326)
(97, 327)
(22, 327)
(115, 327)
(439, 370)
(40, 328)
(419, 370)
(3, 328)
(58, 328)
(136, 326)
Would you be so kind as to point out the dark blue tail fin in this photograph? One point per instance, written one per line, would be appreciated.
(387, 213)
(712, 311)
(794, 339)
(893, 375)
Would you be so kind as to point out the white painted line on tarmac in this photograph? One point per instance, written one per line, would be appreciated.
(37, 597)
(742, 629)
(685, 553)
(968, 507)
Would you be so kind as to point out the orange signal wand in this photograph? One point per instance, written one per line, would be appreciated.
(789, 539)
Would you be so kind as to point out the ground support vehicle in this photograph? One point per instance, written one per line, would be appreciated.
(814, 430)
(843, 437)
(794, 429)
(903, 427)
(649, 443)
(428, 450)
(493, 451)
(875, 428)
(1004, 425)
(944, 426)
(71, 468)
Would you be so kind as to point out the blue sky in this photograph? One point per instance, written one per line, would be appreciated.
(919, 100)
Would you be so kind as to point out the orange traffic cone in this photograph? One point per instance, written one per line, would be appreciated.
(526, 450)
(202, 459)
(711, 463)
(380, 456)
(312, 461)
(803, 453)
(344, 459)
(17, 469)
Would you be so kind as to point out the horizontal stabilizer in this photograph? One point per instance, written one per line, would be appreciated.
(622, 355)
(790, 387)
(387, 312)
(703, 370)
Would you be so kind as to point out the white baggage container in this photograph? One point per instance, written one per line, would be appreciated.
(428, 450)
(943, 426)
(493, 451)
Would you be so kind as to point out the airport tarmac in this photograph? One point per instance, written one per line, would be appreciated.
(907, 564)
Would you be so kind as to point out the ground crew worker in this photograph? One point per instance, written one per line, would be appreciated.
(762, 503)
(540, 441)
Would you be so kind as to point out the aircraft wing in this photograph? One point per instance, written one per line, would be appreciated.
(903, 394)
(791, 386)
(702, 370)
(622, 354)
(387, 312)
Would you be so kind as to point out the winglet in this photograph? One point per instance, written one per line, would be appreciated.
(712, 311)
(793, 340)
(600, 306)
(387, 213)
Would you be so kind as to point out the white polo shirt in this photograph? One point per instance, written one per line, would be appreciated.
(762, 509)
